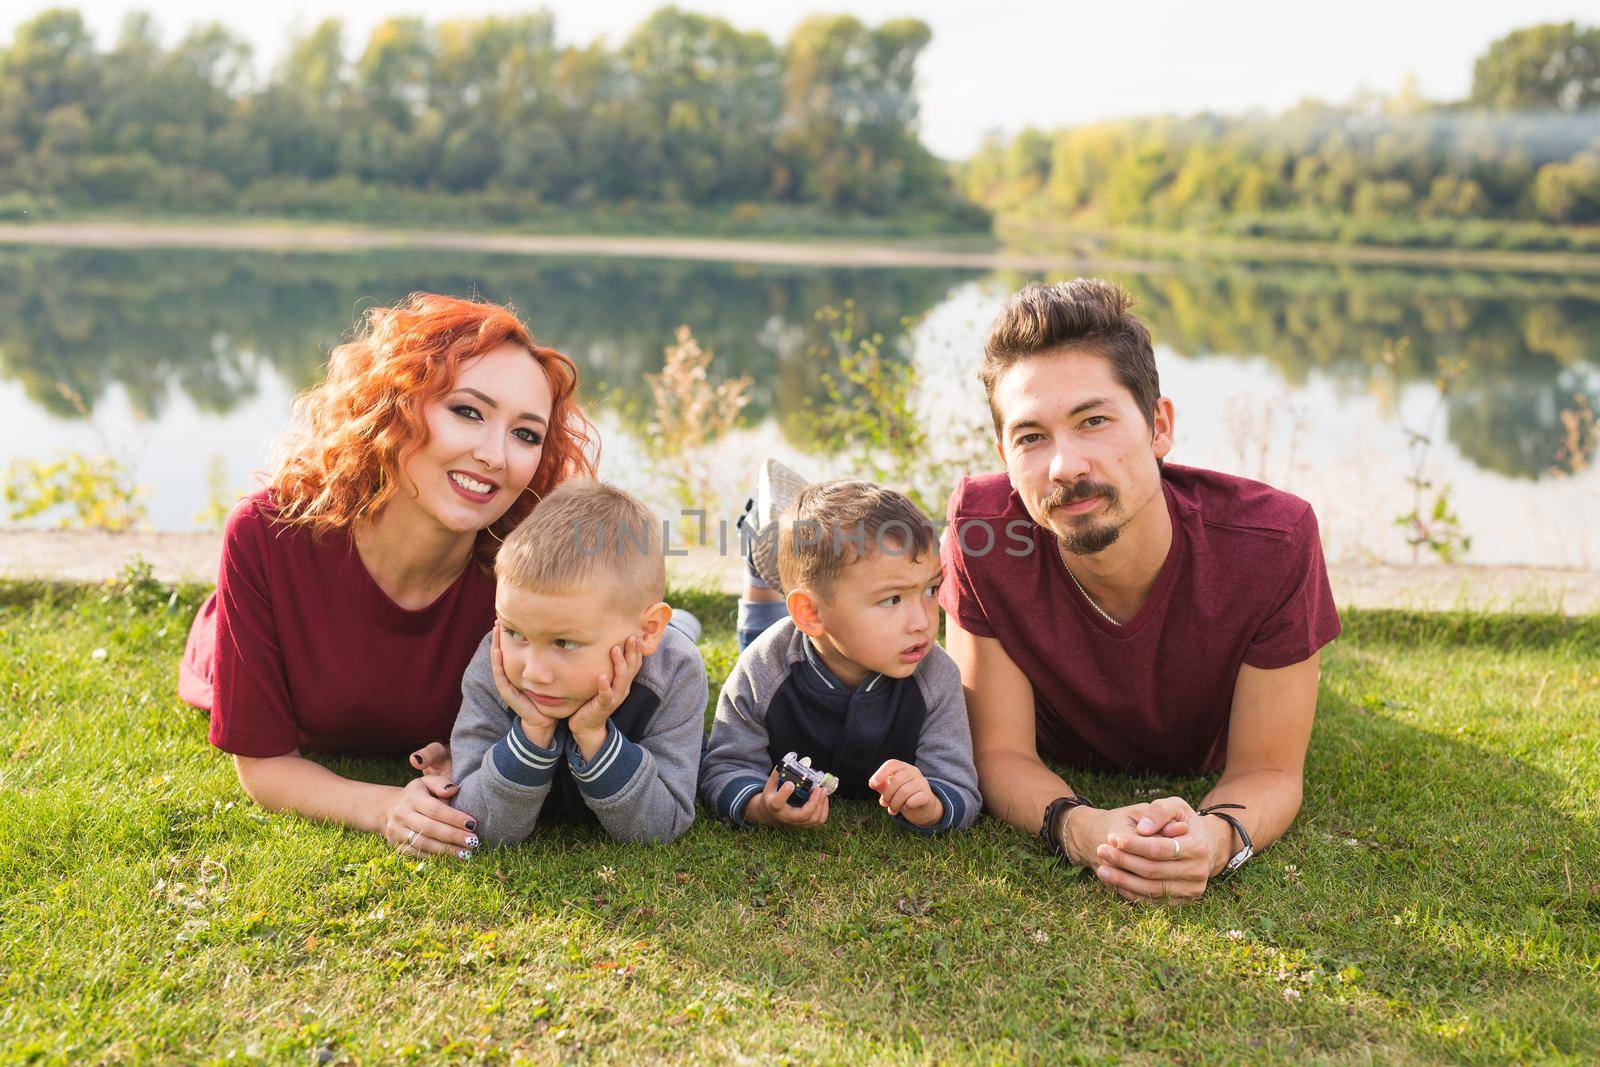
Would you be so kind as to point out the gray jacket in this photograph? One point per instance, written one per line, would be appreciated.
(781, 696)
(640, 785)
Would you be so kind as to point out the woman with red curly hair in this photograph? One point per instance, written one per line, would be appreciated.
(356, 585)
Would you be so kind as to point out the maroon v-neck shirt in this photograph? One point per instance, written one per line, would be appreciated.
(300, 648)
(1243, 583)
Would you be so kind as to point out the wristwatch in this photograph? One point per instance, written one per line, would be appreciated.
(1246, 850)
(1060, 806)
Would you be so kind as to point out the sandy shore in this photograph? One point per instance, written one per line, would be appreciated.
(296, 237)
(89, 557)
(1073, 251)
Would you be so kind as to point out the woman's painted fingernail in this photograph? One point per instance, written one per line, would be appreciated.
(472, 824)
(472, 841)
(464, 854)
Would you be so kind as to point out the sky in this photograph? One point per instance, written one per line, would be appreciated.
(1005, 64)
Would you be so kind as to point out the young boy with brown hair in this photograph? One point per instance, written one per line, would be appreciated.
(853, 678)
(549, 722)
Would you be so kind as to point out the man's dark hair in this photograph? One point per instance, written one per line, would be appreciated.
(1091, 314)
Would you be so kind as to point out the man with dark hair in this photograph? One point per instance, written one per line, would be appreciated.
(1112, 611)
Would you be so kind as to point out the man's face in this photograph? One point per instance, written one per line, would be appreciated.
(883, 614)
(557, 645)
(1079, 451)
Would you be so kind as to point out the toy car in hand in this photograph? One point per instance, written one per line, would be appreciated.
(805, 778)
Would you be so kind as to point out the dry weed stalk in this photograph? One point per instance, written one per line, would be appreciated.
(690, 415)
(1578, 438)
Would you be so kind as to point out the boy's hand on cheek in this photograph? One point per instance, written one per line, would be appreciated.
(904, 790)
(539, 727)
(771, 806)
(588, 723)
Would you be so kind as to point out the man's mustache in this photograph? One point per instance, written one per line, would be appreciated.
(1079, 491)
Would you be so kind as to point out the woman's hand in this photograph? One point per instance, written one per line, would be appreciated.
(420, 821)
(588, 723)
(536, 725)
(433, 758)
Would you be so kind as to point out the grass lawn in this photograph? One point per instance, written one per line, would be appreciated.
(1438, 899)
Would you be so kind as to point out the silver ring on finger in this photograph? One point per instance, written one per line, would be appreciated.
(412, 840)
(1177, 848)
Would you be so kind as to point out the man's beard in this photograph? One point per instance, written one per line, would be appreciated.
(1082, 535)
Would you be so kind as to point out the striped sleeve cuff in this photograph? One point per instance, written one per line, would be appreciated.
(954, 810)
(612, 767)
(734, 796)
(521, 761)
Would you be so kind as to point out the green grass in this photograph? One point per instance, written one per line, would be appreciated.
(1438, 899)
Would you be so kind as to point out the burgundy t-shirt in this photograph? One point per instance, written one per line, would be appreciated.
(300, 648)
(1244, 582)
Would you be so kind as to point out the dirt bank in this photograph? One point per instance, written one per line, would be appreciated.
(298, 237)
(86, 556)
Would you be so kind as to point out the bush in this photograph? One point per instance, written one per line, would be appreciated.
(22, 207)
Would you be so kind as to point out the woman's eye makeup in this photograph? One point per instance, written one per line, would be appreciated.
(526, 435)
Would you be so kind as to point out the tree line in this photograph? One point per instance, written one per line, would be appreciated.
(1524, 149)
(689, 118)
(688, 110)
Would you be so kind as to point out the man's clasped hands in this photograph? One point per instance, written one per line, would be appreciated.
(1162, 851)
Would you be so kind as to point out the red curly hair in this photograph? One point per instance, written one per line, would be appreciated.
(357, 428)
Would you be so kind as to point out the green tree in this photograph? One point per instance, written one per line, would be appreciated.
(713, 95)
(1569, 192)
(50, 64)
(850, 112)
(1553, 65)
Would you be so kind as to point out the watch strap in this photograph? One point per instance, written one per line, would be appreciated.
(1246, 848)
(1059, 807)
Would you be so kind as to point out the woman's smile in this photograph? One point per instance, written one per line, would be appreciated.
(477, 490)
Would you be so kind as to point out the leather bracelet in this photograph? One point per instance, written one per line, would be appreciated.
(1246, 849)
(1061, 806)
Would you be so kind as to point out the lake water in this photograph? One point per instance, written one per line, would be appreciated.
(1319, 380)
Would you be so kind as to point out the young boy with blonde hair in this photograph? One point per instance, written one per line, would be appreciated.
(853, 678)
(549, 722)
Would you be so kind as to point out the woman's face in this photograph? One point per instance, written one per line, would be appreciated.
(485, 438)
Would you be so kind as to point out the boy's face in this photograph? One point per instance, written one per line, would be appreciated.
(881, 617)
(557, 645)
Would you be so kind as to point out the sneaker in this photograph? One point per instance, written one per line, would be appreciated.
(776, 489)
(686, 622)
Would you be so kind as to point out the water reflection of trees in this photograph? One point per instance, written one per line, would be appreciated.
(207, 322)
(1524, 341)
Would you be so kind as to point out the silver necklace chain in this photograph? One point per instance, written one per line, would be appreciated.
(1104, 614)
